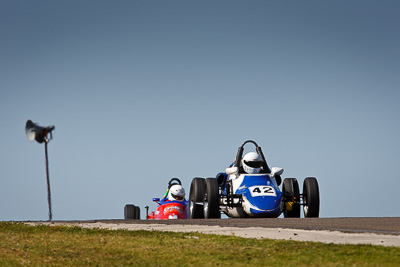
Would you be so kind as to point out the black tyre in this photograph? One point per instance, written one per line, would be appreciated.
(129, 212)
(291, 193)
(311, 197)
(137, 213)
(196, 198)
(211, 199)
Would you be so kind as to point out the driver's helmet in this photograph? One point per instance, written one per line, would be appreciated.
(252, 163)
(176, 193)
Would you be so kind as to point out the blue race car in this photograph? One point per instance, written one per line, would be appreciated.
(249, 188)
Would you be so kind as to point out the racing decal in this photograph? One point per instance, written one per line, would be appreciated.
(172, 208)
(262, 190)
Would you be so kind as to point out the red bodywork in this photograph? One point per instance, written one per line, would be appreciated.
(168, 210)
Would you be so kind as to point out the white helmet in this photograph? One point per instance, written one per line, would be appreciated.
(176, 193)
(252, 163)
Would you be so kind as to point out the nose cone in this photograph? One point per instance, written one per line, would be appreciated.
(266, 204)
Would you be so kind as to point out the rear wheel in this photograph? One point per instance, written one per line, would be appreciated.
(137, 213)
(196, 198)
(291, 192)
(211, 199)
(311, 197)
(129, 212)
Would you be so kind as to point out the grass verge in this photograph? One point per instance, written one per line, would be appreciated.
(23, 245)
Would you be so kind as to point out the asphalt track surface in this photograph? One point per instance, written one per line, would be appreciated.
(373, 230)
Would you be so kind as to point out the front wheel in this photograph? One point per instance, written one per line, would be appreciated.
(291, 192)
(196, 198)
(311, 197)
(211, 199)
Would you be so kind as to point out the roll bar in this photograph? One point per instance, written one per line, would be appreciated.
(259, 152)
(171, 182)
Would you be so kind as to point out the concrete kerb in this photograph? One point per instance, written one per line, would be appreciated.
(334, 237)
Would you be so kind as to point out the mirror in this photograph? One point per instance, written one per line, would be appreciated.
(276, 171)
(156, 199)
(231, 170)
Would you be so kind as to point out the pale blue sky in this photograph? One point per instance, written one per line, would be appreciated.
(143, 91)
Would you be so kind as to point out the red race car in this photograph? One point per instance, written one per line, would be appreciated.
(173, 205)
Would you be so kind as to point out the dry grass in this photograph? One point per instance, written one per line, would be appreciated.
(73, 246)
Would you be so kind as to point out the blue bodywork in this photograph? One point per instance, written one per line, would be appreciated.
(260, 194)
(166, 201)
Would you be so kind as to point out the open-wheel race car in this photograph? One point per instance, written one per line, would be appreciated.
(249, 188)
(173, 205)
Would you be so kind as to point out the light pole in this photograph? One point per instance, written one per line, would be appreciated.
(39, 133)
